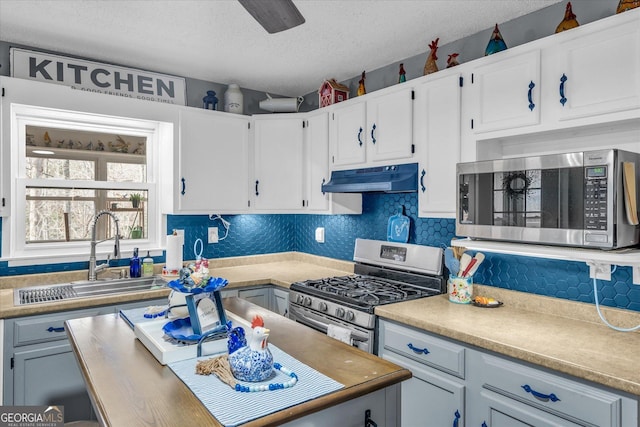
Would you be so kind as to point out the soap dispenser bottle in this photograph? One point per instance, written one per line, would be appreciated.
(134, 264)
(147, 266)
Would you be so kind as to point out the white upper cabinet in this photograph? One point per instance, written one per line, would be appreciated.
(348, 135)
(506, 92)
(316, 171)
(278, 180)
(596, 73)
(316, 154)
(373, 130)
(437, 135)
(571, 91)
(212, 160)
(390, 126)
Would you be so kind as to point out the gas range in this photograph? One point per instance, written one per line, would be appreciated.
(385, 273)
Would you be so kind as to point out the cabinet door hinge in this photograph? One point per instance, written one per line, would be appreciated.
(12, 363)
(471, 123)
(461, 81)
(413, 148)
(413, 94)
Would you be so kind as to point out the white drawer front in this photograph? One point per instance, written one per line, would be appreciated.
(432, 351)
(568, 399)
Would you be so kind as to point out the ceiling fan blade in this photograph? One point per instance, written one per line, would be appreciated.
(274, 15)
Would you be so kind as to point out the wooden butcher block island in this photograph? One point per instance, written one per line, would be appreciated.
(128, 386)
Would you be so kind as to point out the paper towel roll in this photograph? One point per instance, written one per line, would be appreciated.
(174, 252)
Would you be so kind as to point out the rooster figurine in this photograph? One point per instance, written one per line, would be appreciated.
(431, 66)
(249, 356)
(569, 20)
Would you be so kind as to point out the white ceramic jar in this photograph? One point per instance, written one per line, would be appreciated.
(233, 99)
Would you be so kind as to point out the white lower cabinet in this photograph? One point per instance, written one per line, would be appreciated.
(40, 367)
(270, 297)
(435, 395)
(454, 384)
(280, 302)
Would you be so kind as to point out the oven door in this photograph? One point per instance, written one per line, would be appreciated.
(360, 337)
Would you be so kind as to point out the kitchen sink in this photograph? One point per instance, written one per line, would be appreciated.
(84, 289)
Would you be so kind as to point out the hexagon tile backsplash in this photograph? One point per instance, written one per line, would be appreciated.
(262, 234)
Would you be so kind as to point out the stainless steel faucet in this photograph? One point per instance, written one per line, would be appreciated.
(94, 268)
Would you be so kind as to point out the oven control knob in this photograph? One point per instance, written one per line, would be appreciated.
(340, 312)
(350, 315)
(307, 301)
(323, 306)
(300, 299)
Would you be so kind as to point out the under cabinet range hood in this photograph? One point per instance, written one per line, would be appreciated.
(388, 179)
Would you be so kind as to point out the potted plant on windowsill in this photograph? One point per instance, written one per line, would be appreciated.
(136, 232)
(135, 199)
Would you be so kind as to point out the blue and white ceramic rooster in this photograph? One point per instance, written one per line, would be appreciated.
(249, 356)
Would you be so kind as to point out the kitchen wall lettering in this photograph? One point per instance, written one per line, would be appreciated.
(96, 77)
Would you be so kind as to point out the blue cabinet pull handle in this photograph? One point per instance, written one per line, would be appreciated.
(184, 186)
(563, 79)
(422, 174)
(52, 329)
(531, 104)
(257, 182)
(322, 186)
(418, 350)
(373, 138)
(546, 397)
(455, 421)
(360, 137)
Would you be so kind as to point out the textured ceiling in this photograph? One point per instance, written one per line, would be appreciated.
(218, 41)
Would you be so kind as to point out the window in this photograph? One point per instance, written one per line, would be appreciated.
(71, 166)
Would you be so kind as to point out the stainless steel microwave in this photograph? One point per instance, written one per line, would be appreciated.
(570, 199)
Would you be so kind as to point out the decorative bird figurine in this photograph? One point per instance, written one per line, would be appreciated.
(569, 20)
(496, 42)
(452, 60)
(249, 356)
(361, 88)
(625, 5)
(431, 66)
(402, 75)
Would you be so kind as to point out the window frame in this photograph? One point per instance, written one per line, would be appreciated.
(13, 227)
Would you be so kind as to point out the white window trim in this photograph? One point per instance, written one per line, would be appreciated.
(14, 249)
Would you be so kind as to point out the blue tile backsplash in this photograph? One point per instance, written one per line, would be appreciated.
(263, 234)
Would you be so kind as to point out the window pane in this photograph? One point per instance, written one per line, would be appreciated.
(61, 214)
(126, 172)
(55, 214)
(55, 168)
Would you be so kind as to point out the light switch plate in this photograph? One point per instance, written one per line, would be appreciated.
(212, 234)
(320, 234)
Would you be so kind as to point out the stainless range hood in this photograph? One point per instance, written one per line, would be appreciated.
(388, 179)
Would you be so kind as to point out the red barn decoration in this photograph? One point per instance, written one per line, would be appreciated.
(332, 92)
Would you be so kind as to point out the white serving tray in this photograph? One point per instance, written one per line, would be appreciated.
(150, 334)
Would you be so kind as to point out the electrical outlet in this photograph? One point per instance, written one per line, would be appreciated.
(212, 234)
(320, 234)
